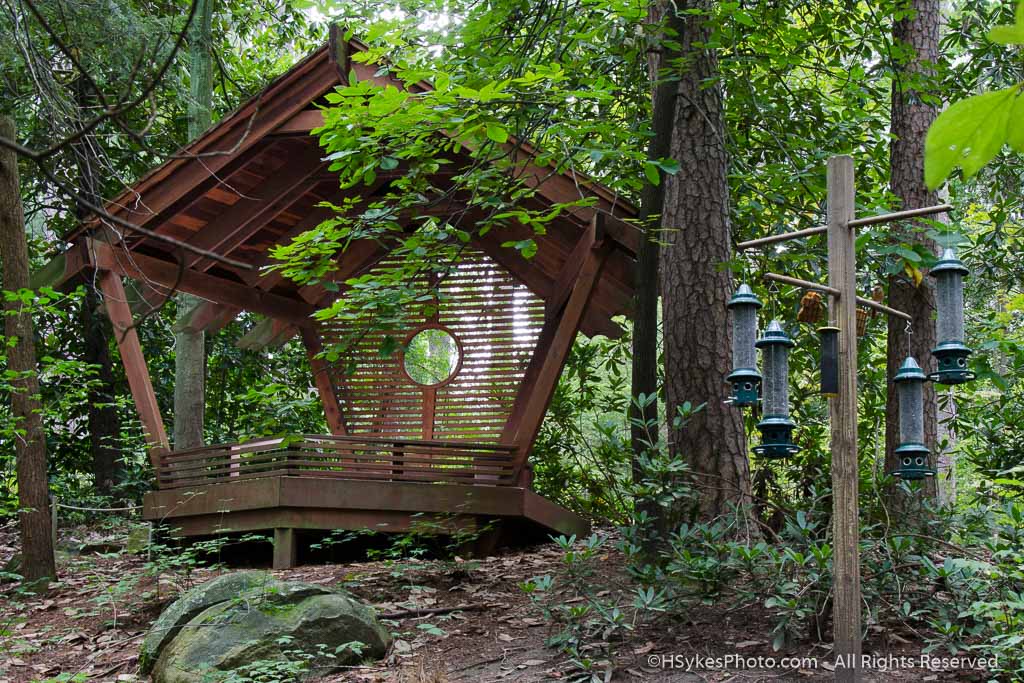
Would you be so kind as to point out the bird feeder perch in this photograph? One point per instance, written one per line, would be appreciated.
(951, 354)
(776, 427)
(745, 378)
(912, 453)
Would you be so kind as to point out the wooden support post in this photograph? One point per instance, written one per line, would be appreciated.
(570, 271)
(285, 550)
(536, 389)
(845, 512)
(324, 384)
(203, 285)
(135, 368)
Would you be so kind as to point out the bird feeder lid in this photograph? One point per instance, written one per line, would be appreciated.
(744, 296)
(909, 371)
(774, 335)
(949, 263)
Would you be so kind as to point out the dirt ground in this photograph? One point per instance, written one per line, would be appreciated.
(92, 621)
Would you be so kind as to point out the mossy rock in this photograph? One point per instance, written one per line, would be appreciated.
(248, 604)
(294, 625)
(190, 604)
(11, 569)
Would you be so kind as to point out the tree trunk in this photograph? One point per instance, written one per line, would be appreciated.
(189, 346)
(104, 422)
(695, 287)
(644, 414)
(917, 34)
(30, 449)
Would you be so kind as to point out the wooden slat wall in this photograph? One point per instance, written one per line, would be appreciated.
(496, 319)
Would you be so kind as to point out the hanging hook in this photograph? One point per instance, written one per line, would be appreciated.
(773, 296)
(909, 328)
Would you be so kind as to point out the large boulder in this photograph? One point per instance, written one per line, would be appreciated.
(190, 605)
(250, 619)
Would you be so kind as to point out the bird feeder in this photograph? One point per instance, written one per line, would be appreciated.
(776, 427)
(951, 353)
(829, 360)
(912, 453)
(745, 378)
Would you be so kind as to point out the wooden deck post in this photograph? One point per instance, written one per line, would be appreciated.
(324, 384)
(842, 275)
(553, 348)
(135, 368)
(285, 550)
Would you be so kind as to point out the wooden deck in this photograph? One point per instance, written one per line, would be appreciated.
(319, 483)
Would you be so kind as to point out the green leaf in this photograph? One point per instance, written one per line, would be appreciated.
(389, 163)
(670, 166)
(1015, 127)
(968, 134)
(497, 133)
(908, 254)
(651, 173)
(1009, 35)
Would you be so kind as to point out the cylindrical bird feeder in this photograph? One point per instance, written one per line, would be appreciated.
(829, 364)
(745, 378)
(912, 453)
(775, 426)
(951, 354)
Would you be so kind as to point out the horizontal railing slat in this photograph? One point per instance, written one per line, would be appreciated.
(404, 476)
(231, 467)
(337, 456)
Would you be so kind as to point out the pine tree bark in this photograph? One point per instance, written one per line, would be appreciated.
(104, 421)
(189, 346)
(30, 449)
(917, 34)
(695, 288)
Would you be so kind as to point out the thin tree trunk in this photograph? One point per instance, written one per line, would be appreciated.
(30, 448)
(695, 287)
(104, 422)
(917, 34)
(644, 415)
(190, 347)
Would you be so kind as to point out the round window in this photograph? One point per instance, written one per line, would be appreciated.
(432, 356)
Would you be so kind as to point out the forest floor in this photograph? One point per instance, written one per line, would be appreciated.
(92, 621)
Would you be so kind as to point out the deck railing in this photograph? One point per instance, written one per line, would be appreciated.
(345, 457)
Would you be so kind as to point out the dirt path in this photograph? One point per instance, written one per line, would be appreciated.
(92, 622)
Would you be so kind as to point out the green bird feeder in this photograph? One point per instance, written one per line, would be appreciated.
(912, 453)
(776, 428)
(744, 378)
(951, 354)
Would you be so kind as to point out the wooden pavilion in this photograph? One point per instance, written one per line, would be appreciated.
(454, 452)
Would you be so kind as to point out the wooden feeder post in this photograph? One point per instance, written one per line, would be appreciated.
(842, 275)
(843, 302)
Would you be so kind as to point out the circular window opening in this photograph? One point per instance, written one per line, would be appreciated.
(432, 357)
